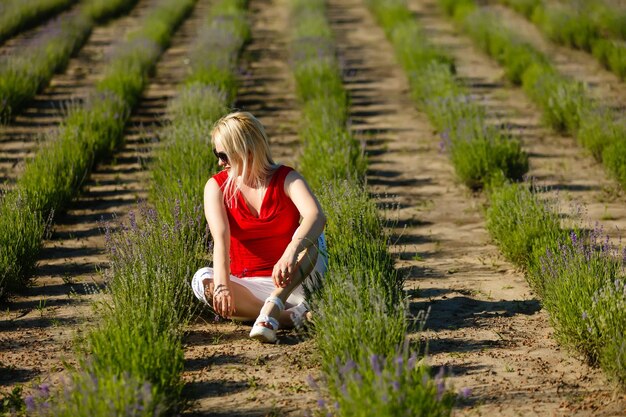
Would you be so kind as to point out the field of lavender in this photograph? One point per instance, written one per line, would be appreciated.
(472, 180)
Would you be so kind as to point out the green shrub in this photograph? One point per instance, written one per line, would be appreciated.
(91, 132)
(562, 100)
(606, 320)
(523, 226)
(23, 75)
(16, 15)
(598, 130)
(22, 230)
(86, 394)
(566, 25)
(478, 159)
(584, 264)
(611, 54)
(614, 159)
(357, 243)
(391, 385)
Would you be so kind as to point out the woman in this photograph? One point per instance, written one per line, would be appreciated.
(267, 231)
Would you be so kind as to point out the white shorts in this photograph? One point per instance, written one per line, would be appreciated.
(262, 287)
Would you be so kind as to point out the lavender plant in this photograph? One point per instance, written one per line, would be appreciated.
(564, 102)
(23, 75)
(87, 394)
(525, 225)
(154, 254)
(570, 25)
(359, 308)
(91, 132)
(21, 234)
(477, 152)
(591, 25)
(396, 385)
(583, 265)
(606, 321)
(16, 15)
(612, 55)
(182, 165)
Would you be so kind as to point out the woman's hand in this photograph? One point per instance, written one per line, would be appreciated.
(223, 300)
(285, 268)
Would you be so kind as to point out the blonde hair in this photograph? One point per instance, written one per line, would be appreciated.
(247, 148)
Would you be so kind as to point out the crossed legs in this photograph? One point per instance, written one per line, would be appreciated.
(248, 306)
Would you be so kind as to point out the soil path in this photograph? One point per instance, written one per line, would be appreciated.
(229, 374)
(37, 329)
(20, 138)
(484, 324)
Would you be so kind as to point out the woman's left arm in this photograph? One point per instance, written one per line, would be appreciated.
(311, 226)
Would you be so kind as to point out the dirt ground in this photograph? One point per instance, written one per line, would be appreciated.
(485, 326)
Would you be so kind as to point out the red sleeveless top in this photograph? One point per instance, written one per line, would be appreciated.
(257, 243)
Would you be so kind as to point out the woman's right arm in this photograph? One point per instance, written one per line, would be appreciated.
(215, 212)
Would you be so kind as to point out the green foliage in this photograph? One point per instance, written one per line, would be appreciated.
(478, 160)
(523, 225)
(562, 100)
(566, 25)
(13, 401)
(357, 244)
(360, 308)
(606, 320)
(16, 15)
(356, 321)
(89, 133)
(106, 394)
(611, 54)
(598, 130)
(566, 271)
(152, 257)
(22, 75)
(592, 26)
(391, 385)
(507, 48)
(22, 230)
(581, 266)
(614, 157)
(477, 152)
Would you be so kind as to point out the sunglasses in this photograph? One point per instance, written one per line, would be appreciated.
(221, 156)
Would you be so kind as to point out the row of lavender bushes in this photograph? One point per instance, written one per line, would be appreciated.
(591, 25)
(88, 134)
(17, 15)
(564, 102)
(361, 319)
(153, 256)
(577, 271)
(479, 152)
(26, 72)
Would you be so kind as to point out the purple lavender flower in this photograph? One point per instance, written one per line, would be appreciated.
(44, 390)
(465, 392)
(30, 403)
(375, 363)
